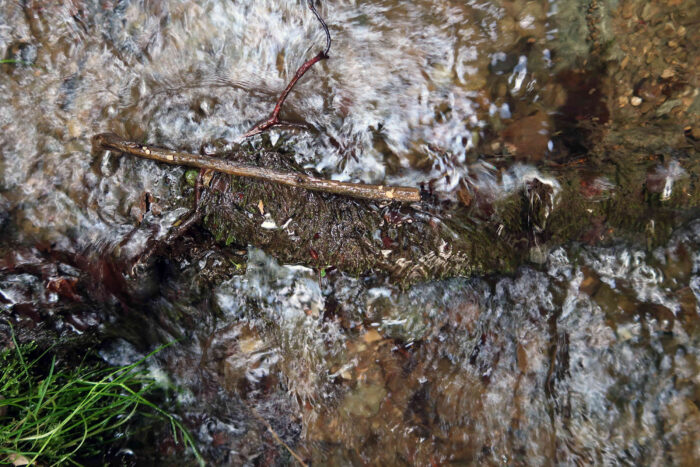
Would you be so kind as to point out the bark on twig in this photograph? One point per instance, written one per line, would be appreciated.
(299, 180)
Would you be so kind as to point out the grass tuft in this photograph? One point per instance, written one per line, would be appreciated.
(61, 415)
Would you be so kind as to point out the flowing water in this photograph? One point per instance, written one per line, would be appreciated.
(586, 354)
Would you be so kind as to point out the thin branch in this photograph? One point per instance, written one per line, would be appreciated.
(298, 180)
(324, 26)
(153, 246)
(277, 438)
(273, 119)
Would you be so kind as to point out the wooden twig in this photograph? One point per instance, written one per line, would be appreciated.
(298, 180)
(277, 438)
(273, 119)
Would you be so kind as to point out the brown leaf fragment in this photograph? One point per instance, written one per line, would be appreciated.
(371, 336)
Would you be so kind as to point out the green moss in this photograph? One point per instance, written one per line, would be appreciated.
(191, 177)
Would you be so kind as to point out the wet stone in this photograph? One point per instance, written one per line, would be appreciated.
(529, 136)
(364, 401)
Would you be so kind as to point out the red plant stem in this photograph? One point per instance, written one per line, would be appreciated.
(274, 116)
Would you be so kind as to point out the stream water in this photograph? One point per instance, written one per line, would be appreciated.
(589, 353)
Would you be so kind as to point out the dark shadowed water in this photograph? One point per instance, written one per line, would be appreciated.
(588, 353)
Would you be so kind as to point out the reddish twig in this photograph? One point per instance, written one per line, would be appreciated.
(274, 119)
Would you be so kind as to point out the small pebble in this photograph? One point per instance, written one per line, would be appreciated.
(667, 73)
(636, 101)
(74, 129)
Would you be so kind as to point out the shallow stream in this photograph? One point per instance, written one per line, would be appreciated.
(587, 353)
